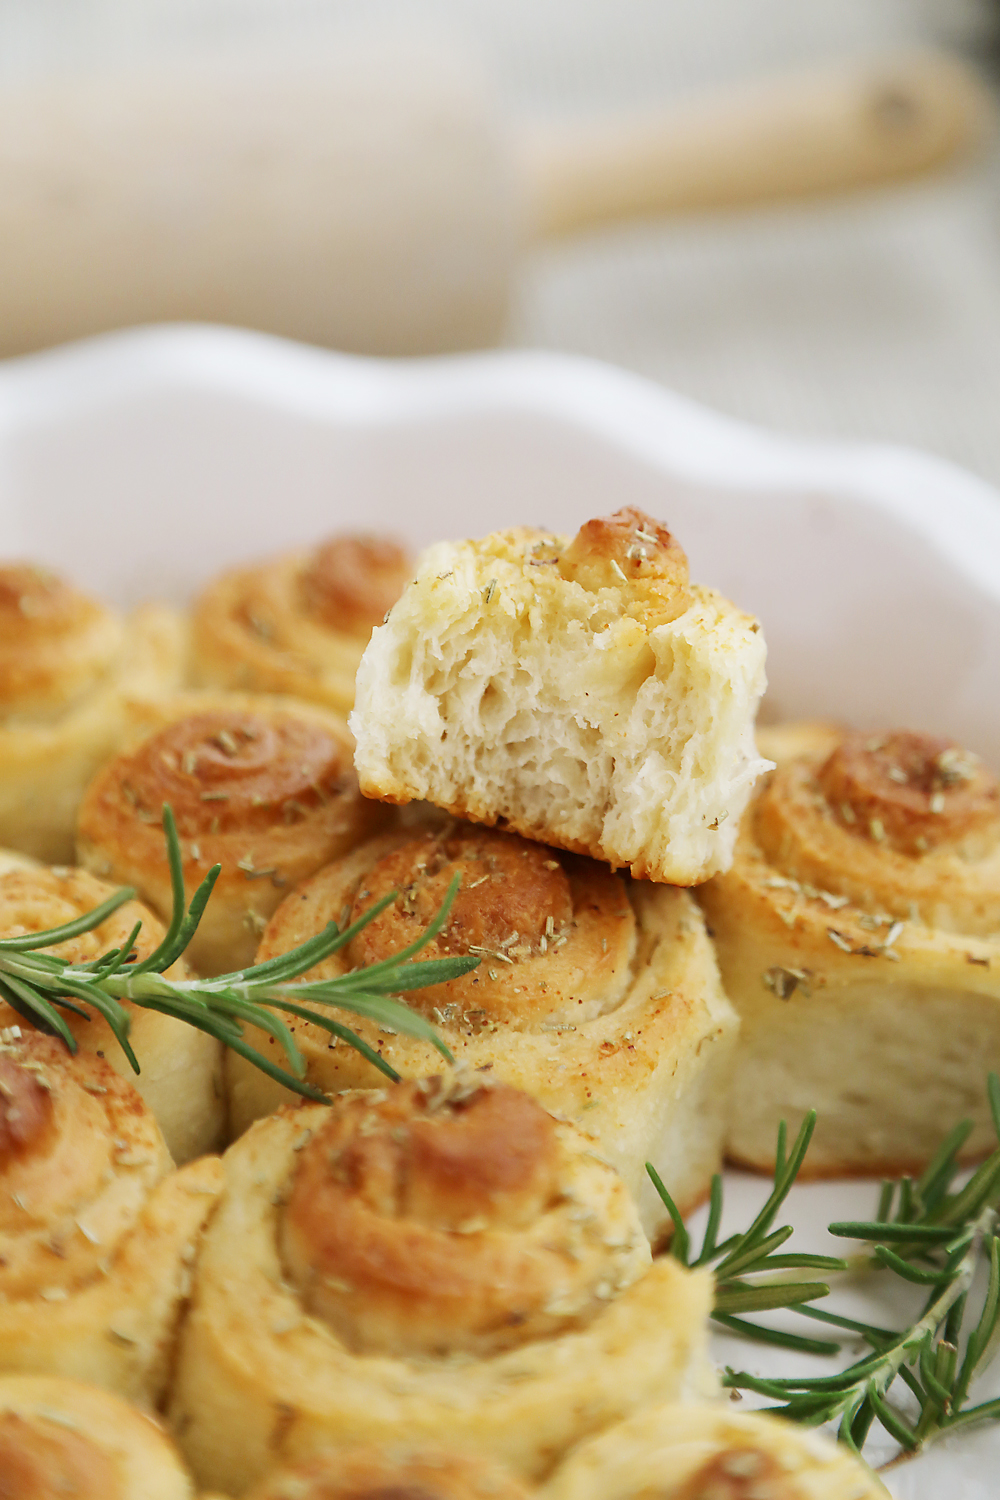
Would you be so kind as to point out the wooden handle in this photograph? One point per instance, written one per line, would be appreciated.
(803, 136)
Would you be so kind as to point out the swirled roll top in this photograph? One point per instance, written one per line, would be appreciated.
(180, 1067)
(596, 994)
(913, 792)
(265, 789)
(60, 1440)
(298, 623)
(455, 1216)
(372, 1474)
(895, 822)
(351, 582)
(556, 934)
(221, 771)
(55, 642)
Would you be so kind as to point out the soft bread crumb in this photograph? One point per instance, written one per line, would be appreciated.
(580, 691)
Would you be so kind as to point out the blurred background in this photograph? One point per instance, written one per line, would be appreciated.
(868, 315)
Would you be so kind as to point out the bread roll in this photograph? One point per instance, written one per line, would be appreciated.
(60, 1440)
(858, 935)
(597, 994)
(579, 691)
(181, 1068)
(298, 624)
(97, 1231)
(704, 1452)
(68, 665)
(399, 1474)
(261, 786)
(440, 1262)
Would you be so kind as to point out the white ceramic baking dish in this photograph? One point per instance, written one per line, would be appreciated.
(142, 462)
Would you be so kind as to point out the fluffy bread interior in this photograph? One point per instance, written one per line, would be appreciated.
(591, 715)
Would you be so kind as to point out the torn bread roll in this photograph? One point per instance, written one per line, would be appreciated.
(580, 691)
(858, 935)
(68, 667)
(97, 1231)
(399, 1473)
(441, 1261)
(697, 1451)
(298, 624)
(62, 1440)
(262, 786)
(597, 994)
(181, 1068)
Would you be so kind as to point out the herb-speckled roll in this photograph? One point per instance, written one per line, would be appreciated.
(263, 786)
(298, 624)
(181, 1068)
(438, 1262)
(597, 994)
(97, 1231)
(858, 935)
(68, 668)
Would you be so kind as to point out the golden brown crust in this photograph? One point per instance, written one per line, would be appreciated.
(39, 1460)
(598, 996)
(62, 1440)
(297, 624)
(505, 1333)
(351, 582)
(432, 1221)
(740, 1473)
(371, 1474)
(180, 1078)
(518, 906)
(801, 822)
(262, 787)
(913, 792)
(629, 546)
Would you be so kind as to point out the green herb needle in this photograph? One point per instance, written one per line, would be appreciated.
(41, 987)
(927, 1232)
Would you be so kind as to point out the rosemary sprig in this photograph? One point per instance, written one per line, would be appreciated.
(925, 1233)
(753, 1252)
(39, 986)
